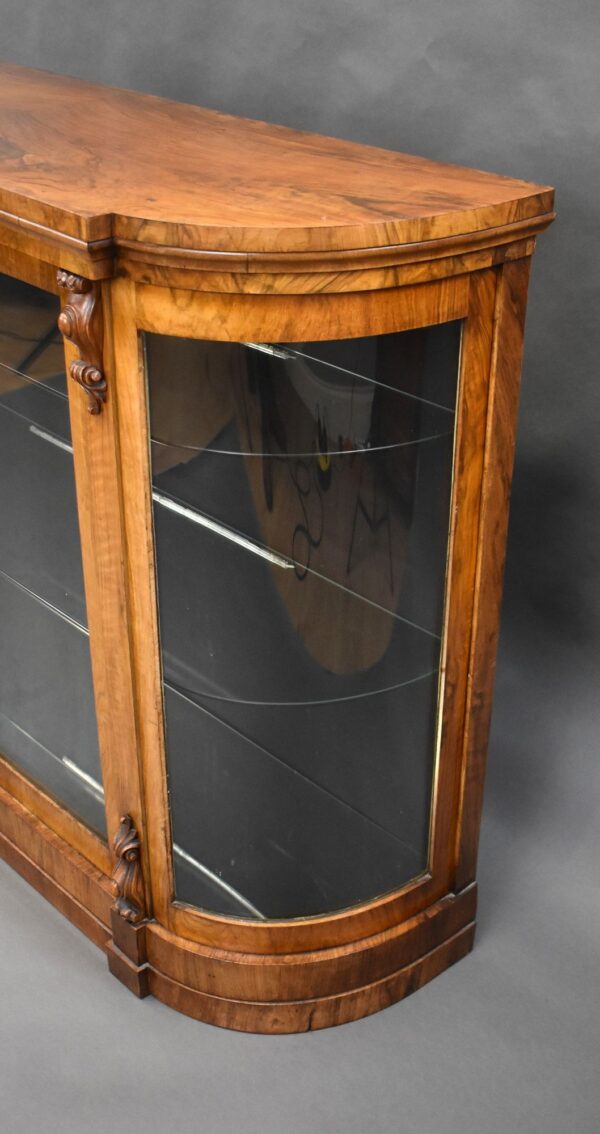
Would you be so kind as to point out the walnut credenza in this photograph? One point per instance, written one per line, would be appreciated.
(258, 392)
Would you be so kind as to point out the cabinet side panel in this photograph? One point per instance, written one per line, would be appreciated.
(462, 558)
(498, 464)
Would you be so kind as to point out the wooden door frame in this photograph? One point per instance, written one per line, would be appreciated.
(138, 307)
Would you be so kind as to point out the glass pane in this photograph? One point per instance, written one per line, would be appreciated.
(301, 504)
(47, 717)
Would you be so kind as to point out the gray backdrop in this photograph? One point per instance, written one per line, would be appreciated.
(509, 1039)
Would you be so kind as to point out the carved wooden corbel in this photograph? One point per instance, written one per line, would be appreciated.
(80, 321)
(127, 881)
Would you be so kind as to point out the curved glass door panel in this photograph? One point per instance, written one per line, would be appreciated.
(301, 505)
(47, 716)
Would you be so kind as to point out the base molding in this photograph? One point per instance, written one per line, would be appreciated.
(266, 993)
(286, 1017)
(58, 872)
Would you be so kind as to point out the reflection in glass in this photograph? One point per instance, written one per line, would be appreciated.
(47, 716)
(301, 503)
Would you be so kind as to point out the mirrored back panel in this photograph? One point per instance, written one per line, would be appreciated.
(301, 507)
(47, 715)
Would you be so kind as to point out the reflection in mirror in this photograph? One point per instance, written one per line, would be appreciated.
(47, 716)
(301, 503)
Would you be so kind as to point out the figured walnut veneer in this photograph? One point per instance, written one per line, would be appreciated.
(184, 221)
(229, 195)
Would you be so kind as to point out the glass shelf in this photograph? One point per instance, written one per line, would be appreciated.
(301, 507)
(349, 647)
(285, 841)
(47, 716)
(294, 405)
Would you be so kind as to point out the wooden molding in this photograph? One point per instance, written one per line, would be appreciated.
(309, 1014)
(128, 884)
(232, 988)
(55, 869)
(47, 809)
(80, 321)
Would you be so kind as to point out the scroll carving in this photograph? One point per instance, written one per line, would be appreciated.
(80, 321)
(128, 885)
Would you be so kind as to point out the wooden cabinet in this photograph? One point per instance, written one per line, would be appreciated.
(258, 392)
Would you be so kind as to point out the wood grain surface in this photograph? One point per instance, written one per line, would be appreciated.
(81, 159)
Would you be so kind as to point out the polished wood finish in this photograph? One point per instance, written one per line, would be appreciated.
(313, 1013)
(265, 188)
(53, 815)
(272, 200)
(59, 872)
(406, 265)
(99, 483)
(505, 370)
(246, 231)
(273, 318)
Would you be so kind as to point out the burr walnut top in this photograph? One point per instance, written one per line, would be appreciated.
(98, 164)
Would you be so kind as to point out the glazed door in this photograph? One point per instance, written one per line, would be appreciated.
(301, 500)
(47, 714)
